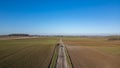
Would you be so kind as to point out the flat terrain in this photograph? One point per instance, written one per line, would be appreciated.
(27, 53)
(62, 57)
(16, 37)
(93, 52)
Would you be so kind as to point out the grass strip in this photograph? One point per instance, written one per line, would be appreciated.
(69, 58)
(54, 58)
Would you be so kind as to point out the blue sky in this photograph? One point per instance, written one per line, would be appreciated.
(64, 17)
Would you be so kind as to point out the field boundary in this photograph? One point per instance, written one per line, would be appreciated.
(68, 58)
(54, 57)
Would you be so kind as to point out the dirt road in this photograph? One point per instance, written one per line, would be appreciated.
(62, 59)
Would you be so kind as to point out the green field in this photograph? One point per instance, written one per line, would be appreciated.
(27, 53)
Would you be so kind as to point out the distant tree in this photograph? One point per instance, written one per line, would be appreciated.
(114, 38)
(18, 35)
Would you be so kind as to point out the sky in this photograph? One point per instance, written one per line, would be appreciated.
(60, 17)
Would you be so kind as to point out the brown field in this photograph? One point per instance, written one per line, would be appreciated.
(93, 52)
(27, 53)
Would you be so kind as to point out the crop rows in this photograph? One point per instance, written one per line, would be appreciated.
(26, 53)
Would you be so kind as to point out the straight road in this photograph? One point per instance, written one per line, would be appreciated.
(62, 58)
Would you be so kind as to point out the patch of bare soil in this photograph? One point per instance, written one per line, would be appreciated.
(88, 57)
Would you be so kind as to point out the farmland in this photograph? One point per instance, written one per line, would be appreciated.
(27, 53)
(93, 52)
(40, 52)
